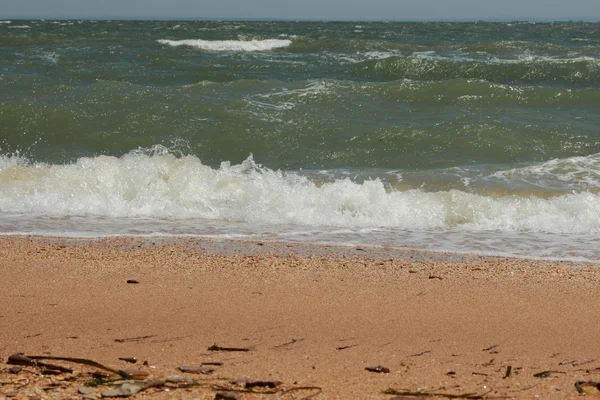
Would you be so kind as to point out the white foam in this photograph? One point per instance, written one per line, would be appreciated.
(5, 22)
(573, 173)
(527, 57)
(156, 184)
(19, 27)
(230, 45)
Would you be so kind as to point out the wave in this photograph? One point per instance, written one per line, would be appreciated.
(526, 69)
(573, 173)
(154, 183)
(230, 45)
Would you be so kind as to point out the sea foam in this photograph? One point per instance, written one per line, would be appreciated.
(160, 185)
(230, 45)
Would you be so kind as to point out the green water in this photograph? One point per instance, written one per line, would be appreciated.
(339, 95)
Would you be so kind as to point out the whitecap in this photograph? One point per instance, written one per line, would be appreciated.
(230, 45)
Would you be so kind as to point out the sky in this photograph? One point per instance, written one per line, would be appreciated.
(306, 9)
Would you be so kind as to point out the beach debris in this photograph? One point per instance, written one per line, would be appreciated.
(100, 375)
(508, 372)
(227, 396)
(420, 354)
(581, 385)
(524, 389)
(547, 374)
(436, 277)
(178, 379)
(287, 344)
(240, 381)
(214, 347)
(402, 398)
(489, 363)
(379, 369)
(131, 360)
(583, 363)
(86, 390)
(248, 382)
(134, 373)
(572, 362)
(132, 281)
(346, 347)
(215, 363)
(124, 390)
(134, 339)
(196, 370)
(491, 347)
(21, 359)
(50, 371)
(271, 384)
(15, 370)
(410, 393)
(130, 388)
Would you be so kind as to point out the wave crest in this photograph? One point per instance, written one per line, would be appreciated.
(230, 45)
(157, 184)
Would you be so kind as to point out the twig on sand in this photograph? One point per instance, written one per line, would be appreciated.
(402, 392)
(248, 389)
(21, 359)
(134, 339)
(346, 347)
(420, 354)
(214, 347)
(286, 344)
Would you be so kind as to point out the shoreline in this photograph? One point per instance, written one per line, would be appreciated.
(224, 245)
(310, 315)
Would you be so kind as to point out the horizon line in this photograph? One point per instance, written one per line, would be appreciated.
(268, 19)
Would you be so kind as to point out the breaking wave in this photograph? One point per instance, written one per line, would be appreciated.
(230, 45)
(155, 183)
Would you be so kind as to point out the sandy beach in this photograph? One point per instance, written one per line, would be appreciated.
(307, 320)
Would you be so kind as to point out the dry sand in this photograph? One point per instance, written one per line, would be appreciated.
(311, 316)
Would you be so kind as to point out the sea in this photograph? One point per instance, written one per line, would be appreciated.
(479, 138)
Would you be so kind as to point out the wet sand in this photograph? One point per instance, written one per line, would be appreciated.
(309, 316)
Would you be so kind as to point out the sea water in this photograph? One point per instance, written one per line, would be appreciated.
(466, 137)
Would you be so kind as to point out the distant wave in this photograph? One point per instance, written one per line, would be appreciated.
(230, 45)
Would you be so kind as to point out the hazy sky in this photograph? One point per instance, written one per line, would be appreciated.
(306, 9)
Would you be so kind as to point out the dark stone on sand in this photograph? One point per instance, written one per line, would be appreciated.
(379, 369)
(132, 281)
(15, 370)
(131, 360)
(227, 396)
